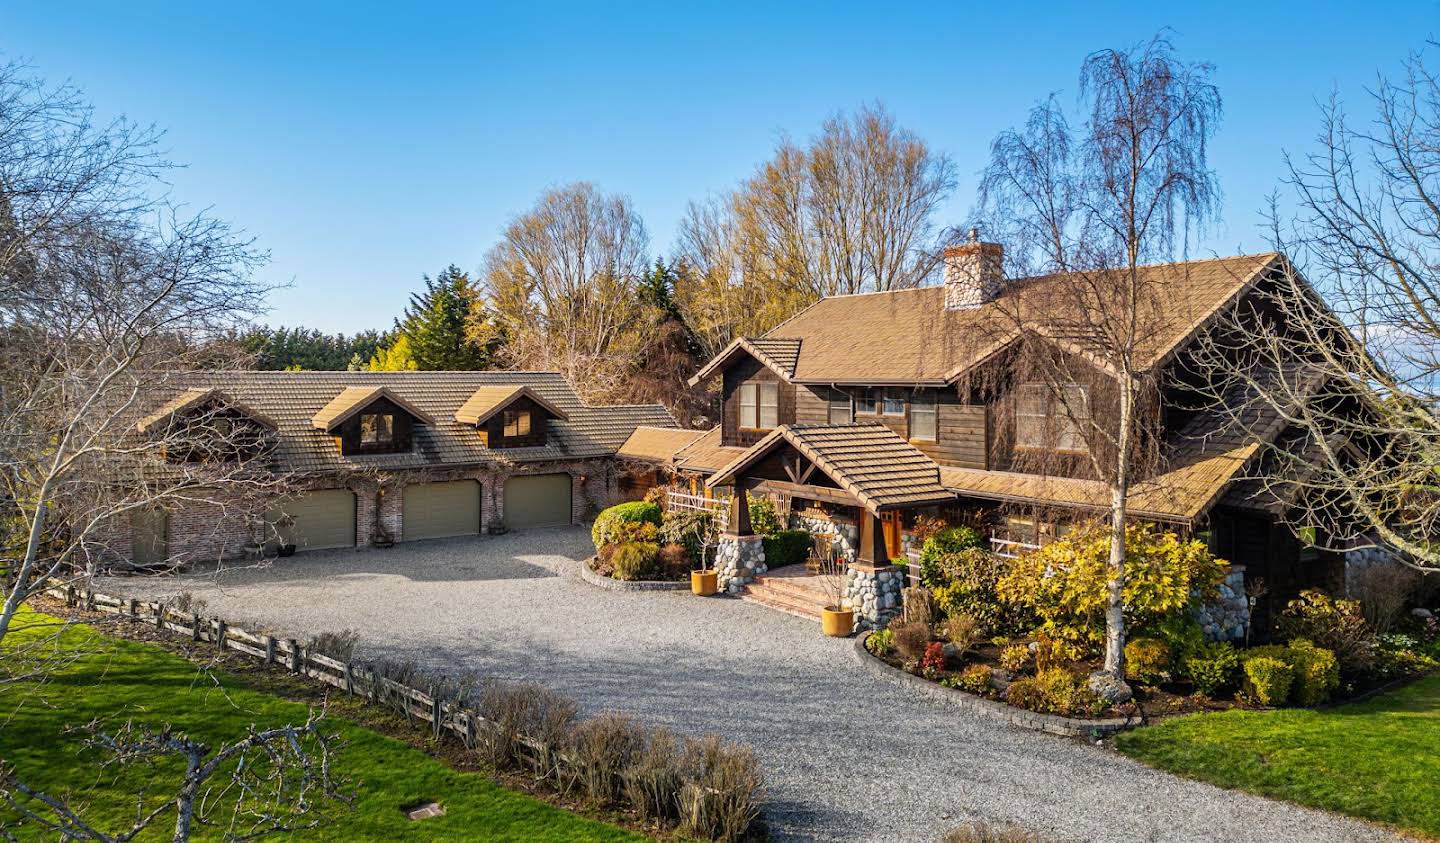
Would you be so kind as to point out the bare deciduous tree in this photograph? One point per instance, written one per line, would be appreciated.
(271, 781)
(1098, 203)
(561, 285)
(1355, 375)
(105, 294)
(850, 213)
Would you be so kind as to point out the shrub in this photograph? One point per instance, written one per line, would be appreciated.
(764, 520)
(337, 645)
(1148, 660)
(1053, 691)
(607, 525)
(1065, 582)
(1317, 672)
(636, 560)
(918, 604)
(1399, 656)
(965, 583)
(1212, 666)
(1050, 652)
(962, 631)
(688, 528)
(1384, 593)
(722, 798)
(1268, 676)
(974, 679)
(786, 547)
(881, 643)
(653, 781)
(1336, 625)
(675, 561)
(1183, 635)
(945, 542)
(926, 526)
(933, 660)
(1016, 657)
(187, 603)
(909, 639)
(524, 710)
(601, 749)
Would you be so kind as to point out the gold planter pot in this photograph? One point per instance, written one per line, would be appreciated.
(836, 622)
(705, 583)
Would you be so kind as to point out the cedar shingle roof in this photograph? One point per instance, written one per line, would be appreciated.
(907, 336)
(353, 399)
(656, 444)
(706, 453)
(489, 400)
(870, 461)
(292, 399)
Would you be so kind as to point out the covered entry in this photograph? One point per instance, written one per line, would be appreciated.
(440, 510)
(537, 500)
(317, 520)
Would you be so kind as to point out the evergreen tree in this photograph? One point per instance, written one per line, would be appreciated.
(396, 358)
(434, 324)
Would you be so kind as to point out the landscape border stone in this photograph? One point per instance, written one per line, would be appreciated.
(1054, 724)
(627, 585)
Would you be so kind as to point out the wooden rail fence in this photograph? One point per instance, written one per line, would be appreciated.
(439, 715)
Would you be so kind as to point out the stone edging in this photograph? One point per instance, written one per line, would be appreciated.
(627, 585)
(1051, 723)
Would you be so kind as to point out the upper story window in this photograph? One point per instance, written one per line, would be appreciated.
(924, 422)
(517, 422)
(840, 409)
(891, 404)
(882, 402)
(760, 405)
(377, 429)
(1043, 420)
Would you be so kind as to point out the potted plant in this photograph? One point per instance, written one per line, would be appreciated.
(705, 580)
(835, 620)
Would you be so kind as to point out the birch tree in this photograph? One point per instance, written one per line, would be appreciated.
(1125, 188)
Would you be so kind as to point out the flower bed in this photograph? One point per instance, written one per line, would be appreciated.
(1027, 634)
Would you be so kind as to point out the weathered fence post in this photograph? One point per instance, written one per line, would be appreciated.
(294, 655)
(435, 715)
(134, 609)
(159, 616)
(220, 633)
(69, 595)
(194, 626)
(269, 649)
(349, 679)
(89, 600)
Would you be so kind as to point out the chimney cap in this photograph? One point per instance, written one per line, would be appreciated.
(974, 234)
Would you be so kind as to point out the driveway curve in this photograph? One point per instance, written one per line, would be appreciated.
(847, 756)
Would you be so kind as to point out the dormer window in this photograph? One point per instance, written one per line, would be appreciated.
(509, 415)
(517, 423)
(371, 420)
(377, 428)
(206, 425)
(760, 405)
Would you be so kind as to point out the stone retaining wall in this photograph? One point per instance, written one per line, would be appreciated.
(844, 537)
(1228, 616)
(628, 585)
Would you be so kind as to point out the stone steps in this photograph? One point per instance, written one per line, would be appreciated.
(785, 594)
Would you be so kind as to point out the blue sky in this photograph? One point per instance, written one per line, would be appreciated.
(364, 146)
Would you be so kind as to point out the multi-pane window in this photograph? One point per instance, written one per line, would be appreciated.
(892, 403)
(1042, 421)
(760, 405)
(923, 421)
(865, 401)
(517, 422)
(840, 408)
(376, 428)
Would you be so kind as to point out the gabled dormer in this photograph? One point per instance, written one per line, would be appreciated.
(370, 420)
(206, 425)
(509, 416)
(756, 392)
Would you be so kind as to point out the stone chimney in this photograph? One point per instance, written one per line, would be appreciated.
(974, 273)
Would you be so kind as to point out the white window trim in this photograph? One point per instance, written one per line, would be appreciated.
(931, 409)
(750, 408)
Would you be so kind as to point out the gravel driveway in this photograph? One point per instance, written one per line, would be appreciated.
(846, 756)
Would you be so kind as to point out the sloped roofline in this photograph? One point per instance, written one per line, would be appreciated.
(476, 416)
(353, 399)
(193, 397)
(745, 344)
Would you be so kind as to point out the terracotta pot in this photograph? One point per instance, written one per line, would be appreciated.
(836, 622)
(705, 583)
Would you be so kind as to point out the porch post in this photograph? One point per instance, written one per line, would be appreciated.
(872, 548)
(740, 556)
(739, 523)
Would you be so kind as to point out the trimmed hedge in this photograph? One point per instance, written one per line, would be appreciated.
(634, 512)
(787, 547)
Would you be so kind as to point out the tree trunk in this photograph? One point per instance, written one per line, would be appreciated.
(1115, 567)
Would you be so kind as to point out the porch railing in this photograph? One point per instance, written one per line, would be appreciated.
(719, 507)
(1007, 549)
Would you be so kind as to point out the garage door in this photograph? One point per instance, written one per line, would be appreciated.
(147, 537)
(537, 500)
(436, 510)
(322, 519)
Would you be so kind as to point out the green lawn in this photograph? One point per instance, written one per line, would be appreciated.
(1378, 759)
(119, 679)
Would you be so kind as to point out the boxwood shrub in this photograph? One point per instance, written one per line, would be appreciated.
(634, 512)
(787, 547)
